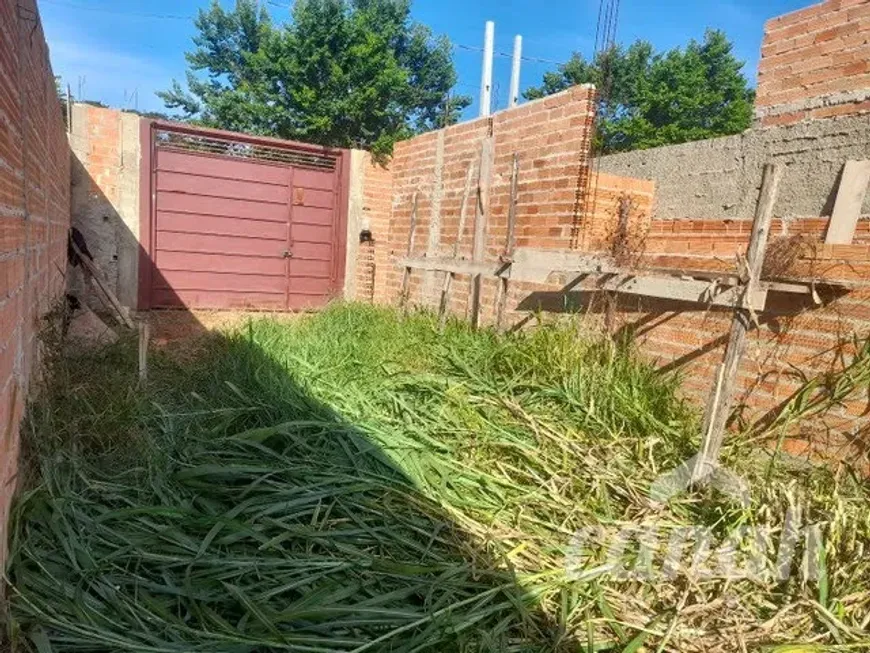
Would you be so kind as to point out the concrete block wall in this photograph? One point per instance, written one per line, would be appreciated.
(815, 64)
(812, 116)
(106, 149)
(34, 220)
(719, 177)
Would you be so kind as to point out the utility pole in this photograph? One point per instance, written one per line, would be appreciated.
(486, 77)
(68, 109)
(515, 72)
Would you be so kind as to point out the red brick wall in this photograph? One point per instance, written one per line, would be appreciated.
(373, 260)
(34, 218)
(815, 63)
(551, 137)
(795, 341)
(817, 58)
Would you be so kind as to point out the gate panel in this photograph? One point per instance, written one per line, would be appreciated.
(235, 221)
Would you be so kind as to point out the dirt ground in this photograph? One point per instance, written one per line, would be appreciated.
(170, 327)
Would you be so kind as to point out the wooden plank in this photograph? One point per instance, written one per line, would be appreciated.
(850, 200)
(406, 278)
(722, 396)
(453, 266)
(510, 245)
(144, 337)
(727, 291)
(480, 218)
(538, 265)
(94, 272)
(448, 277)
(687, 290)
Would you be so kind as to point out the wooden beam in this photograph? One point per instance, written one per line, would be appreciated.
(687, 290)
(144, 338)
(722, 396)
(538, 265)
(509, 246)
(95, 274)
(453, 266)
(850, 201)
(460, 231)
(726, 290)
(406, 278)
(480, 218)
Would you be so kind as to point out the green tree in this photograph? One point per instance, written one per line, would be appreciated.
(341, 73)
(650, 99)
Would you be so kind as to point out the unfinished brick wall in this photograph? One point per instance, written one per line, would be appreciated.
(795, 341)
(373, 259)
(815, 64)
(551, 138)
(34, 218)
(812, 110)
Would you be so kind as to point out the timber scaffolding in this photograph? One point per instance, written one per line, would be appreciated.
(745, 291)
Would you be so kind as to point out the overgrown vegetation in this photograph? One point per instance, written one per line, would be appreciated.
(356, 481)
(653, 98)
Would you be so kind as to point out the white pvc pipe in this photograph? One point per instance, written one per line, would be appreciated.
(486, 77)
(515, 71)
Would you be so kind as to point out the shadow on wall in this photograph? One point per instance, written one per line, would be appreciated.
(114, 247)
(653, 312)
(223, 507)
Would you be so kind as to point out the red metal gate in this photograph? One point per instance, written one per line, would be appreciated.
(238, 222)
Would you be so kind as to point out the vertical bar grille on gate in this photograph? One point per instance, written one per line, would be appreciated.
(224, 147)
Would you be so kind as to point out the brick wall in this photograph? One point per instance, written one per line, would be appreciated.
(815, 63)
(34, 218)
(374, 259)
(795, 340)
(551, 138)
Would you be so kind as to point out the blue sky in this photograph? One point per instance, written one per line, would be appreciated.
(124, 50)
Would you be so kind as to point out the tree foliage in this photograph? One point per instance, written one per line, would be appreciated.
(341, 73)
(651, 99)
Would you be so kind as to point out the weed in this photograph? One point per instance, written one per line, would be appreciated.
(358, 481)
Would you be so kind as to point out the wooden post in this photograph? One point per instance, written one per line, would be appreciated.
(406, 279)
(94, 273)
(509, 246)
(144, 337)
(722, 397)
(448, 277)
(850, 200)
(480, 217)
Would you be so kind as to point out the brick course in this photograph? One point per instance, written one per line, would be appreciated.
(551, 137)
(34, 218)
(815, 64)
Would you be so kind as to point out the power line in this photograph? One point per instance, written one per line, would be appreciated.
(105, 10)
(473, 48)
(115, 12)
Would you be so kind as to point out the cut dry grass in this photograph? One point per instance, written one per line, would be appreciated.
(359, 482)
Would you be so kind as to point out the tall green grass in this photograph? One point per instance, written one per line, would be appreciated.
(358, 481)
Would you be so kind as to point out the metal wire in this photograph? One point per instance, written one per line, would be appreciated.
(590, 171)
